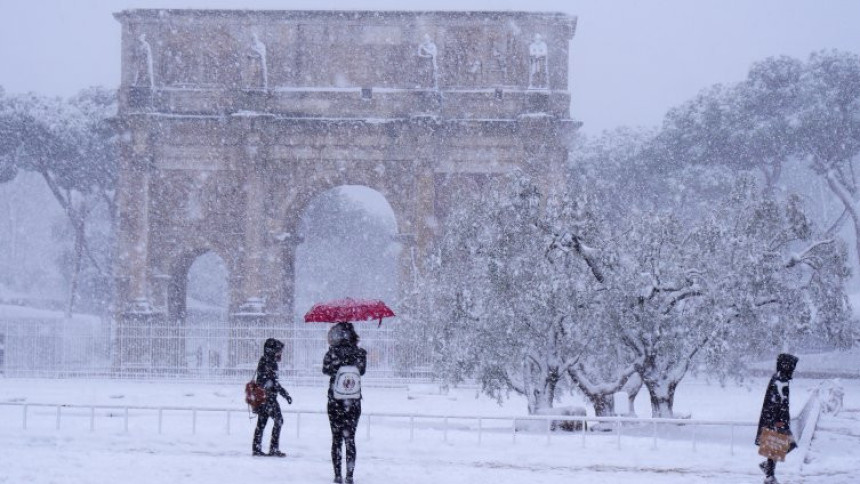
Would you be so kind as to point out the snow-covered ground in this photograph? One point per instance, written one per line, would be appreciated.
(835, 453)
(391, 451)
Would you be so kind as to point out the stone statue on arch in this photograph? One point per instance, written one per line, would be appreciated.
(538, 69)
(428, 50)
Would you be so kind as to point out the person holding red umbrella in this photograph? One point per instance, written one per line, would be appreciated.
(345, 363)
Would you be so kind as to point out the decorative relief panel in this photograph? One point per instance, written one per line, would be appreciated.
(515, 50)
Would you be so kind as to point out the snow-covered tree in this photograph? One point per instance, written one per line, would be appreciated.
(745, 126)
(71, 144)
(751, 276)
(785, 109)
(828, 127)
(512, 314)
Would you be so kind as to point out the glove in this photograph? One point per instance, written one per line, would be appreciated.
(289, 399)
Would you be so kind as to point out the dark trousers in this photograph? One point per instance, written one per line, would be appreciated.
(769, 468)
(265, 411)
(343, 418)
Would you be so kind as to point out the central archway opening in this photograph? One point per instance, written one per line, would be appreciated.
(348, 249)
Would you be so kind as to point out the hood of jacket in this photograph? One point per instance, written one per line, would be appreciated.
(341, 334)
(785, 364)
(272, 347)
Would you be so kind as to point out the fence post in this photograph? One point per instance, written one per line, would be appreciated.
(58, 416)
(654, 445)
(160, 418)
(228, 422)
(24, 421)
(194, 422)
(411, 428)
(732, 445)
(298, 424)
(694, 437)
(92, 418)
(480, 429)
(445, 430)
(514, 430)
(583, 432)
(125, 427)
(618, 428)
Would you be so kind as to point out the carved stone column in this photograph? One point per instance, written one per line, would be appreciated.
(133, 206)
(136, 317)
(425, 214)
(288, 243)
(250, 321)
(254, 222)
(408, 265)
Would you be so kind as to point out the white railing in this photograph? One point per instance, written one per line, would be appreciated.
(617, 429)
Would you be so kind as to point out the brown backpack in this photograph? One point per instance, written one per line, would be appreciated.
(255, 395)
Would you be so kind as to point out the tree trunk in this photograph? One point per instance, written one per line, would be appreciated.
(662, 395)
(604, 404)
(76, 268)
(632, 387)
(541, 393)
(601, 396)
(850, 205)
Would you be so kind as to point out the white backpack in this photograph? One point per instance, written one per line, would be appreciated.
(347, 383)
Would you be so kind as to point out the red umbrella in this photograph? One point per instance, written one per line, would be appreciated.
(348, 310)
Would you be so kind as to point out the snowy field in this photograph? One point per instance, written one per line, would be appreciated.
(93, 446)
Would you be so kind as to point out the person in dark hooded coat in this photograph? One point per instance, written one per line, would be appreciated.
(774, 411)
(267, 378)
(343, 413)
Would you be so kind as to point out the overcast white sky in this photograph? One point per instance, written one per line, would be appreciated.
(631, 59)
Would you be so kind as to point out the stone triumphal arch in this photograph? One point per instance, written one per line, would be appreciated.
(234, 120)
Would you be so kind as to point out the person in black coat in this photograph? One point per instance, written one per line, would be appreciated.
(774, 411)
(343, 413)
(267, 378)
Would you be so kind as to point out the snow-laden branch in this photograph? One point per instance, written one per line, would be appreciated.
(693, 291)
(842, 192)
(579, 376)
(568, 242)
(633, 341)
(837, 224)
(804, 256)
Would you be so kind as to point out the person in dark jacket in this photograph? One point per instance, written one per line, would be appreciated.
(343, 413)
(774, 411)
(267, 378)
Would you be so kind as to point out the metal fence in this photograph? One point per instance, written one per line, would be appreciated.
(59, 348)
(603, 431)
(614, 431)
